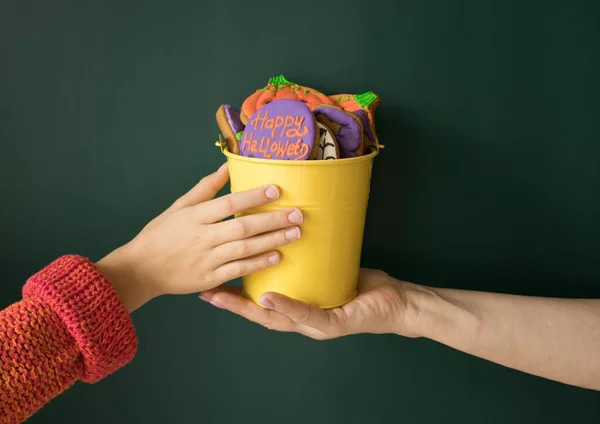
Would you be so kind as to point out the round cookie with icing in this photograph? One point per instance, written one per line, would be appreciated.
(279, 88)
(281, 130)
(346, 127)
(328, 147)
(228, 120)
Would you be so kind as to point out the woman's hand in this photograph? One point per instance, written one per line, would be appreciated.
(383, 305)
(188, 248)
(548, 337)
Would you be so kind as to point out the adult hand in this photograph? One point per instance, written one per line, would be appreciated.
(189, 248)
(531, 334)
(383, 305)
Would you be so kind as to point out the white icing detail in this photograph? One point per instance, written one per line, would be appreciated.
(327, 144)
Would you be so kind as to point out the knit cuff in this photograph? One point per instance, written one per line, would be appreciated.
(92, 312)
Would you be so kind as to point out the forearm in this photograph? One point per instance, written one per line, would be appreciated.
(118, 267)
(70, 325)
(39, 359)
(558, 339)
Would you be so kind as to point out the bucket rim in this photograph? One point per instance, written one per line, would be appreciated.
(344, 161)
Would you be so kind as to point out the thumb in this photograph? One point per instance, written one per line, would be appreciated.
(205, 190)
(327, 322)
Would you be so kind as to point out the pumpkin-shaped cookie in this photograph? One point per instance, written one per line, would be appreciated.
(280, 88)
(368, 102)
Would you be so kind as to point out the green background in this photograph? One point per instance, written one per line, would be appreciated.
(489, 181)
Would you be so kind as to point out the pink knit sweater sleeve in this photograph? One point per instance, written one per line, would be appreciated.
(70, 325)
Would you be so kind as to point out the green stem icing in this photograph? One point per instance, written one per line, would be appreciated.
(365, 99)
(239, 135)
(280, 80)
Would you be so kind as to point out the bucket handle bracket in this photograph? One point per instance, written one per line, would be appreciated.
(221, 143)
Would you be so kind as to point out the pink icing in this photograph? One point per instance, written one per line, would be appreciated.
(282, 129)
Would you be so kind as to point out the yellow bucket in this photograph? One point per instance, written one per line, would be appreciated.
(322, 267)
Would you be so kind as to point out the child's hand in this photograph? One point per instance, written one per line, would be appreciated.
(189, 249)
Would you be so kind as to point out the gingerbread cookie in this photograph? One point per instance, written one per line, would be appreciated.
(346, 127)
(328, 147)
(231, 127)
(280, 88)
(368, 102)
(282, 129)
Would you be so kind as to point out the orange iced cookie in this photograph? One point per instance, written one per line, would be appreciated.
(280, 88)
(368, 102)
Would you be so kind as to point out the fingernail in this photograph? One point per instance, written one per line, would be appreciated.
(273, 259)
(272, 192)
(295, 217)
(216, 304)
(292, 233)
(266, 302)
(202, 297)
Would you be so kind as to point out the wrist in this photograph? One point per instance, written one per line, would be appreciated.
(415, 309)
(119, 268)
(85, 303)
(440, 313)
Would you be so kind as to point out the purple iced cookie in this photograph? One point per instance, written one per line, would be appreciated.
(233, 117)
(282, 129)
(366, 124)
(346, 127)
